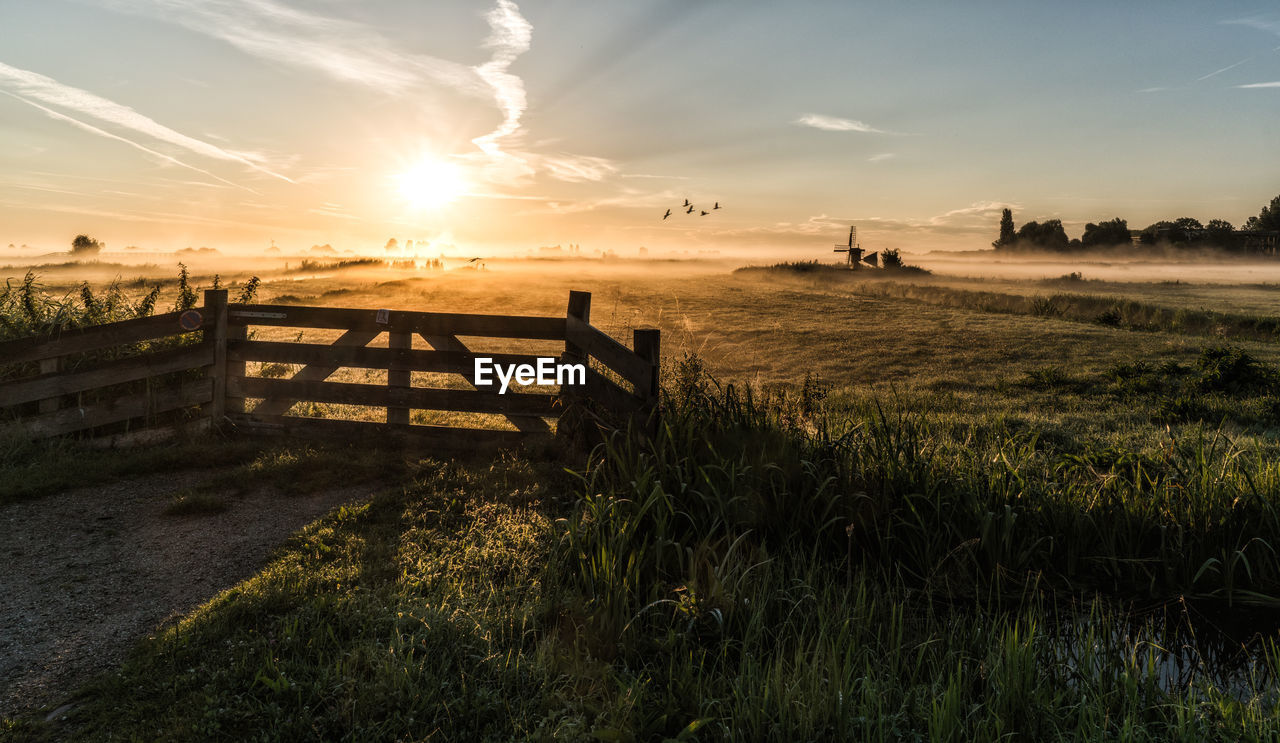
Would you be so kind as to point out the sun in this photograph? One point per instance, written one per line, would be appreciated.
(431, 183)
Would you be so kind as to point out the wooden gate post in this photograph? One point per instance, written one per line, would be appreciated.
(50, 366)
(647, 343)
(215, 306)
(398, 373)
(579, 308)
(236, 331)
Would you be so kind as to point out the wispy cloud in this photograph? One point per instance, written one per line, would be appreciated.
(835, 124)
(575, 168)
(344, 50)
(1273, 84)
(656, 175)
(882, 157)
(355, 53)
(510, 36)
(1260, 24)
(103, 133)
(26, 85)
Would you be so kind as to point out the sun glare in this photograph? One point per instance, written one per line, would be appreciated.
(431, 183)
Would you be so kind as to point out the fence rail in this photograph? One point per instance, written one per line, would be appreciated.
(192, 368)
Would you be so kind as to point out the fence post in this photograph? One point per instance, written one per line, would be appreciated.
(579, 308)
(51, 366)
(398, 374)
(215, 306)
(236, 331)
(647, 343)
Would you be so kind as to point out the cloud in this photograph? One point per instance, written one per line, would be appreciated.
(510, 36)
(1274, 84)
(103, 133)
(834, 124)
(655, 175)
(344, 50)
(982, 212)
(574, 168)
(354, 53)
(26, 85)
(1260, 24)
(882, 157)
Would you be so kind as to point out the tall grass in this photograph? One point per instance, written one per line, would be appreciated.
(763, 571)
(756, 566)
(882, 490)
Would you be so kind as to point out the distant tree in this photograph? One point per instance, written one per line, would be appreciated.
(1151, 233)
(1113, 232)
(85, 245)
(1221, 233)
(891, 259)
(1267, 219)
(1046, 236)
(392, 245)
(1007, 233)
(1172, 233)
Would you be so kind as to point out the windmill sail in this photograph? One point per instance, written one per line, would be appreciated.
(873, 259)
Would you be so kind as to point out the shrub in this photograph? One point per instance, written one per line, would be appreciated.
(1231, 369)
(1110, 317)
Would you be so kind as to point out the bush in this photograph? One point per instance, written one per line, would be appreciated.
(1111, 317)
(1231, 369)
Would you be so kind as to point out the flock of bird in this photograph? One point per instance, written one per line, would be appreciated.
(689, 209)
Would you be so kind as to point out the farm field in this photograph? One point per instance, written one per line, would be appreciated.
(877, 508)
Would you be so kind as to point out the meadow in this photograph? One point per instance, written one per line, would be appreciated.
(875, 507)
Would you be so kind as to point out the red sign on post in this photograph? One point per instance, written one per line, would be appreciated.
(190, 320)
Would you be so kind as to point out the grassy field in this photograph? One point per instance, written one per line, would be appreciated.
(876, 509)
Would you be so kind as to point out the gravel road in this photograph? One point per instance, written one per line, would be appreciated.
(87, 573)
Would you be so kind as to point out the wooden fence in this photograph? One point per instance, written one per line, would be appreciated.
(184, 369)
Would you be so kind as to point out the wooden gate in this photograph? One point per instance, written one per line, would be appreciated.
(212, 364)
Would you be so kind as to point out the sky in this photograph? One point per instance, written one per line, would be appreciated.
(503, 126)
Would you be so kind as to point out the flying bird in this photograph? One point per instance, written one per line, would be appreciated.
(686, 202)
(689, 210)
(473, 260)
(705, 213)
(668, 214)
(717, 206)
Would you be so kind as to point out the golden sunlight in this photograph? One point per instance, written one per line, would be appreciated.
(431, 183)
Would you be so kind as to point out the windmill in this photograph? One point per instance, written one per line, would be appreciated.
(853, 249)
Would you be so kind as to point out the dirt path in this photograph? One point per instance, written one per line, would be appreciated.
(88, 573)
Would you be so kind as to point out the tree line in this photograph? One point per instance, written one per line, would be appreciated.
(1184, 231)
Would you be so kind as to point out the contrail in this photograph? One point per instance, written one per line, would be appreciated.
(118, 138)
(1224, 69)
(54, 93)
